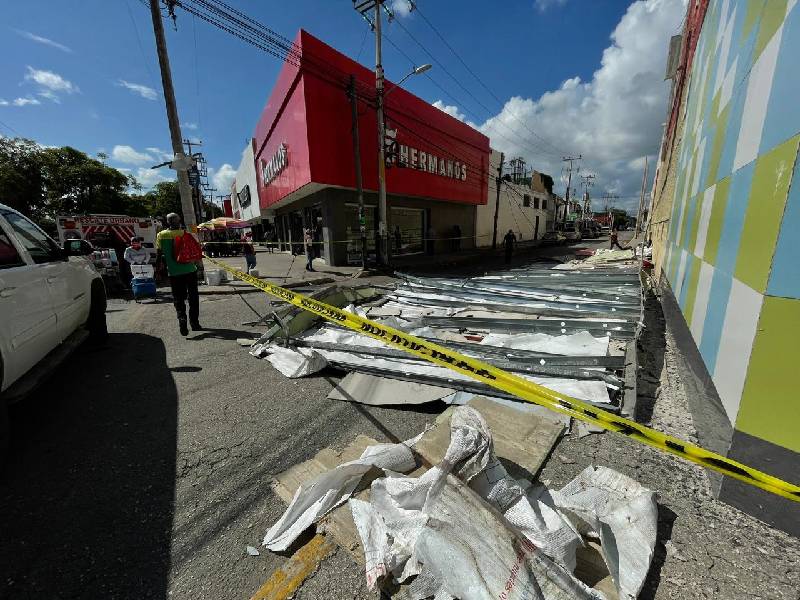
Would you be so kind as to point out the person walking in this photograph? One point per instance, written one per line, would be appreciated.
(182, 276)
(456, 237)
(615, 240)
(508, 243)
(308, 241)
(249, 252)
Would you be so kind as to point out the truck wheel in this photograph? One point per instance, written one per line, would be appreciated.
(96, 323)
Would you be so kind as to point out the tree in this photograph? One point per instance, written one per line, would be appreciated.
(21, 182)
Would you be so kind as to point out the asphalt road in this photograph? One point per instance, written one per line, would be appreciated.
(142, 468)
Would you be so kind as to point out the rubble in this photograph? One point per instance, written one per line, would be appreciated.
(473, 524)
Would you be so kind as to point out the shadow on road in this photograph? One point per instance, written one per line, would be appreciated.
(87, 499)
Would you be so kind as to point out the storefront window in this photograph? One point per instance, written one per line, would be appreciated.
(407, 228)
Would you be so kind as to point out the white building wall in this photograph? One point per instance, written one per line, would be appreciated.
(246, 176)
(513, 214)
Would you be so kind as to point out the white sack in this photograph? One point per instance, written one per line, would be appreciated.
(318, 496)
(623, 513)
(296, 362)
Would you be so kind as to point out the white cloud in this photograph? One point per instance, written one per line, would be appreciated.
(451, 110)
(43, 40)
(401, 8)
(137, 88)
(28, 100)
(223, 177)
(3, 102)
(543, 5)
(161, 154)
(50, 82)
(147, 178)
(613, 120)
(190, 125)
(128, 156)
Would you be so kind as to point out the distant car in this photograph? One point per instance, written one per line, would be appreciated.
(605, 230)
(49, 297)
(553, 238)
(571, 233)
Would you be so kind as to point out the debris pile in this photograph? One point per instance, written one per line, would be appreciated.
(566, 330)
(473, 525)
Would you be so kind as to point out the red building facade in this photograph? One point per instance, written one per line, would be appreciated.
(305, 166)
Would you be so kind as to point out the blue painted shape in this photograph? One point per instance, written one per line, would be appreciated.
(715, 317)
(733, 220)
(784, 278)
(783, 117)
(745, 54)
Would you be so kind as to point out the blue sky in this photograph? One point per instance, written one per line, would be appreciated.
(85, 73)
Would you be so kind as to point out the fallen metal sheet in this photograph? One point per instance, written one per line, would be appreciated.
(377, 391)
(577, 344)
(518, 365)
(597, 328)
(464, 386)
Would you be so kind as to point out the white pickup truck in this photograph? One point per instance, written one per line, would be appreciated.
(51, 298)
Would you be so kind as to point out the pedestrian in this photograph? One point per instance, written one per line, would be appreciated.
(182, 276)
(431, 240)
(135, 254)
(508, 243)
(249, 252)
(456, 237)
(398, 239)
(615, 240)
(308, 241)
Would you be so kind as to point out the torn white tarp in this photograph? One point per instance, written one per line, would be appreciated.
(622, 513)
(296, 362)
(577, 344)
(315, 498)
(401, 527)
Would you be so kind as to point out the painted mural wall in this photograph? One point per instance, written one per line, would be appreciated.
(732, 253)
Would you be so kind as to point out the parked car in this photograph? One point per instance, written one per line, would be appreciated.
(571, 232)
(553, 238)
(50, 296)
(605, 230)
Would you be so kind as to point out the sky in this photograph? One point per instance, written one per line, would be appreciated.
(545, 78)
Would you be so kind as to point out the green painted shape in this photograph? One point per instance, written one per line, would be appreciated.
(716, 146)
(754, 10)
(762, 221)
(770, 407)
(691, 289)
(771, 19)
(716, 220)
(694, 225)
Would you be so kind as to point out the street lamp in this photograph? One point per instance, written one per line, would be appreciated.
(417, 71)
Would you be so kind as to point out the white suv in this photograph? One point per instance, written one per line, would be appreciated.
(47, 295)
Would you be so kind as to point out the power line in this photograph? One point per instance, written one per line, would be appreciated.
(480, 81)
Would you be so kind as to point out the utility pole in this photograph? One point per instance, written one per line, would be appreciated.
(587, 181)
(499, 181)
(570, 160)
(638, 228)
(383, 246)
(180, 163)
(362, 221)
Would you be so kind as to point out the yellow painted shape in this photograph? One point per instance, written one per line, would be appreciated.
(770, 407)
(287, 580)
(771, 19)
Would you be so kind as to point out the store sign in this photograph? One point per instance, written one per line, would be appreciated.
(414, 158)
(244, 197)
(270, 170)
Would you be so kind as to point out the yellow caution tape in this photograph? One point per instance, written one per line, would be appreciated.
(524, 389)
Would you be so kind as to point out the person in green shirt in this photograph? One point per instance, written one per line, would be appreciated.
(182, 276)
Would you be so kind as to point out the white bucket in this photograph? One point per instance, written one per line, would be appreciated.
(254, 272)
(213, 277)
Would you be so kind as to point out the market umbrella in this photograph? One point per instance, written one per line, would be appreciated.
(228, 223)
